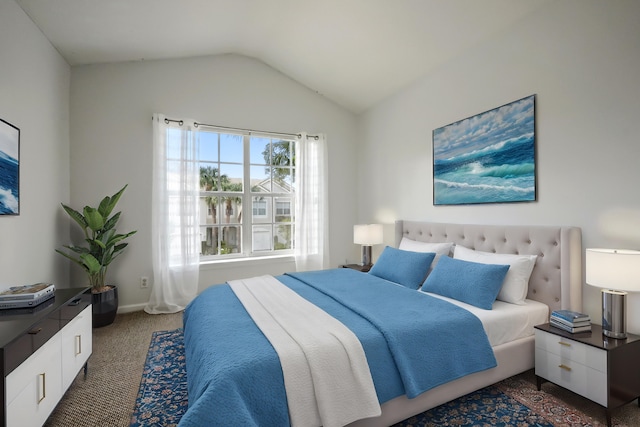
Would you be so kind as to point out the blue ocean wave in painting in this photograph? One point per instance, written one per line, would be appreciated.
(8, 184)
(502, 172)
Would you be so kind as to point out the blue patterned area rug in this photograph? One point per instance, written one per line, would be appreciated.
(162, 398)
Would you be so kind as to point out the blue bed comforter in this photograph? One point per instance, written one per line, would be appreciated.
(413, 342)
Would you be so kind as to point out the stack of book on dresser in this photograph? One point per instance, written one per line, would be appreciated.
(26, 296)
(570, 321)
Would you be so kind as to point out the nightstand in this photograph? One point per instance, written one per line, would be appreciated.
(599, 368)
(359, 267)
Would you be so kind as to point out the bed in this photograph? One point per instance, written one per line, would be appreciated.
(217, 316)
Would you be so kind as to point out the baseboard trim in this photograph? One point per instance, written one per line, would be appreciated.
(131, 308)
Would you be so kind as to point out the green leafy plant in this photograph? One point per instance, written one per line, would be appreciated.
(104, 244)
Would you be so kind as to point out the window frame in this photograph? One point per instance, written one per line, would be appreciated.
(247, 222)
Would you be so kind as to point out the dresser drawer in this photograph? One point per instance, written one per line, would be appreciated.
(34, 388)
(568, 349)
(29, 342)
(579, 378)
(76, 346)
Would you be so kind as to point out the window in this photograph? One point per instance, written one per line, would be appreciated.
(203, 178)
(259, 208)
(238, 170)
(283, 208)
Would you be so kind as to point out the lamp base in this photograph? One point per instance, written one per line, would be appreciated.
(366, 255)
(614, 314)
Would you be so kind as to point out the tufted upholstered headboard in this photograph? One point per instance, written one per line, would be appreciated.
(556, 279)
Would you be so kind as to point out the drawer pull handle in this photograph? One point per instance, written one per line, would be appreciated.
(566, 344)
(78, 344)
(565, 367)
(35, 331)
(44, 387)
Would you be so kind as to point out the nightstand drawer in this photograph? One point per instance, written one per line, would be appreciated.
(568, 349)
(581, 379)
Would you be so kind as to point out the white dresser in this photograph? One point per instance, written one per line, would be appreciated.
(43, 349)
(599, 368)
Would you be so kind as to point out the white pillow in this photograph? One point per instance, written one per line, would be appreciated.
(438, 248)
(516, 282)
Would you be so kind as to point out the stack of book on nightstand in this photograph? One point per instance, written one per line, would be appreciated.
(570, 321)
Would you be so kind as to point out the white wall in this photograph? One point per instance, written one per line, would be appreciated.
(582, 60)
(111, 108)
(34, 96)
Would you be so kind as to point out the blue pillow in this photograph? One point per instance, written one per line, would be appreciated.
(403, 267)
(471, 282)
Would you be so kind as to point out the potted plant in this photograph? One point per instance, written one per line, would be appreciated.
(102, 246)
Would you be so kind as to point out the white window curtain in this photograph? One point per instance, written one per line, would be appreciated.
(174, 215)
(311, 221)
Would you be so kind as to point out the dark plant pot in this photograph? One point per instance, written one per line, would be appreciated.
(104, 307)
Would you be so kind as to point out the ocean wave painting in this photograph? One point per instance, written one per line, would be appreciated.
(487, 158)
(9, 169)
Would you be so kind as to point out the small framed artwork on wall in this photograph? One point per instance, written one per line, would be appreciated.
(487, 158)
(9, 169)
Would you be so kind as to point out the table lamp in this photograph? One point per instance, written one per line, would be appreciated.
(367, 235)
(618, 272)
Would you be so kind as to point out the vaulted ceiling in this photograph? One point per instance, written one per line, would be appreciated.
(354, 52)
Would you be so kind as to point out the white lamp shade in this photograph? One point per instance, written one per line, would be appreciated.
(617, 269)
(367, 234)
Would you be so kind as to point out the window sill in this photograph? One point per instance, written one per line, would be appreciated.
(239, 262)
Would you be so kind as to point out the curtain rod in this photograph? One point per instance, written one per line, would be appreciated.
(196, 124)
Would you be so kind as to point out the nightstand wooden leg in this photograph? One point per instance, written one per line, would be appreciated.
(608, 418)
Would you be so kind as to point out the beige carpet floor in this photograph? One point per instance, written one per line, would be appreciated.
(106, 398)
